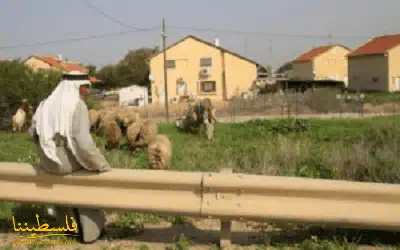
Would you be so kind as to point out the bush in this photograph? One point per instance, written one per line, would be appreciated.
(17, 82)
(323, 100)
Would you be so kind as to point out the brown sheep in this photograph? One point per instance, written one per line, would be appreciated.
(132, 134)
(148, 132)
(160, 153)
(94, 118)
(125, 118)
(103, 123)
(131, 118)
(113, 135)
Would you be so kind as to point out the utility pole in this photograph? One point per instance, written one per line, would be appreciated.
(165, 70)
(270, 55)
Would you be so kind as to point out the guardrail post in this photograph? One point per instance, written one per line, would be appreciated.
(226, 234)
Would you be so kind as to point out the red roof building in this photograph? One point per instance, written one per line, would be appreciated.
(51, 62)
(375, 65)
(376, 46)
(313, 53)
(322, 63)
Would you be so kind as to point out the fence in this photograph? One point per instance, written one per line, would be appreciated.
(320, 102)
(226, 196)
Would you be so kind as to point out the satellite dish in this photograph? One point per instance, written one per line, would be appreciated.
(151, 77)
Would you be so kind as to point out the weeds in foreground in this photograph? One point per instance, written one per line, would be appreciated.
(182, 243)
(358, 150)
(143, 247)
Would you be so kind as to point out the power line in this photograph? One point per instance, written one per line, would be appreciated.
(134, 30)
(109, 17)
(265, 33)
(76, 39)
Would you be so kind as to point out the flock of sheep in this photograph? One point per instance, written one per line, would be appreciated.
(114, 123)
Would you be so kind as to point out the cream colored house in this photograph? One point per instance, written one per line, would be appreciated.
(36, 62)
(375, 66)
(322, 63)
(200, 69)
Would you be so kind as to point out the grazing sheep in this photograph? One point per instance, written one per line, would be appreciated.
(103, 123)
(148, 132)
(131, 118)
(202, 113)
(19, 120)
(120, 117)
(132, 134)
(94, 118)
(160, 153)
(125, 118)
(113, 135)
(102, 113)
(189, 121)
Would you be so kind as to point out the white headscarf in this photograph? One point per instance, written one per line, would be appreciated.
(54, 115)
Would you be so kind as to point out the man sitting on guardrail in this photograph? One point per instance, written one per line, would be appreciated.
(60, 128)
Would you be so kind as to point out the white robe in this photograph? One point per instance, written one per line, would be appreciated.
(55, 115)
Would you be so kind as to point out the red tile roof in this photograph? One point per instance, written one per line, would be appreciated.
(68, 67)
(72, 67)
(378, 45)
(51, 61)
(313, 53)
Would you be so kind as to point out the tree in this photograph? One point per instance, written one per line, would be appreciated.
(109, 76)
(17, 82)
(92, 69)
(134, 67)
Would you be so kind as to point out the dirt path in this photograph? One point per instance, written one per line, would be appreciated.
(245, 118)
(203, 235)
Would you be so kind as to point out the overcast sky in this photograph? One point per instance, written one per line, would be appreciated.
(351, 22)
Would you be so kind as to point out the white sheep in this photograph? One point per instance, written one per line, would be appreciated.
(19, 120)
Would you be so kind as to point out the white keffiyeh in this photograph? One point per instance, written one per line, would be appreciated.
(54, 115)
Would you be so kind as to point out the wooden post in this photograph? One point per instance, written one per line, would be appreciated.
(165, 71)
(226, 233)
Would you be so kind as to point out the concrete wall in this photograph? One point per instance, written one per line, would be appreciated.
(332, 65)
(187, 54)
(368, 72)
(394, 69)
(303, 71)
(240, 75)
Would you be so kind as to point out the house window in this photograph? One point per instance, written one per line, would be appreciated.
(205, 62)
(208, 86)
(170, 64)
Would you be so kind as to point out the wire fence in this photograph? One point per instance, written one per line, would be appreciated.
(289, 104)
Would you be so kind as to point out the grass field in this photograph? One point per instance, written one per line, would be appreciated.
(361, 150)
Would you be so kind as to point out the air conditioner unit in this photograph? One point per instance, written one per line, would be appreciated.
(205, 71)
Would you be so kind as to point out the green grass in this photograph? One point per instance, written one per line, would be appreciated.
(93, 103)
(382, 97)
(362, 150)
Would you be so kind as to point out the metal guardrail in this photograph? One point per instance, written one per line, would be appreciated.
(225, 196)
